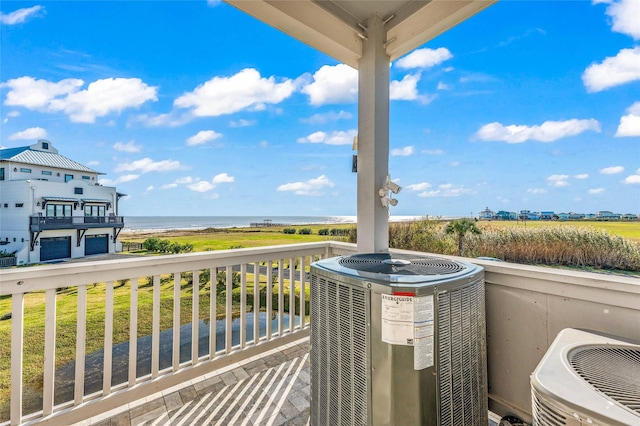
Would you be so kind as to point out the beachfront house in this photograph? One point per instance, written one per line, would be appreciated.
(53, 208)
(251, 377)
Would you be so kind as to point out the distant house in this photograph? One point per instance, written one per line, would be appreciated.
(547, 216)
(630, 216)
(486, 214)
(564, 216)
(53, 207)
(607, 215)
(504, 215)
(576, 216)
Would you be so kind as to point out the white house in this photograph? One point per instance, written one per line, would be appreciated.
(52, 207)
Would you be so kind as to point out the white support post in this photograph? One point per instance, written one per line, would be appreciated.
(373, 139)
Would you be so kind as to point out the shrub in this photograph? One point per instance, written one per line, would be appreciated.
(304, 231)
(323, 231)
(289, 230)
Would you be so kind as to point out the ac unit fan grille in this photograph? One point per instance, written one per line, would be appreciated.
(462, 371)
(545, 414)
(614, 371)
(387, 263)
(339, 354)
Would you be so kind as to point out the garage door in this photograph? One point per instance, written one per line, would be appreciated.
(55, 248)
(96, 244)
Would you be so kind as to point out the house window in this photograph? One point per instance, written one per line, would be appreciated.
(86, 178)
(45, 145)
(46, 172)
(94, 211)
(6, 205)
(1, 173)
(25, 170)
(59, 210)
(19, 204)
(77, 190)
(67, 178)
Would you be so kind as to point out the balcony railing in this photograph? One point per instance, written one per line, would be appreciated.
(43, 223)
(215, 325)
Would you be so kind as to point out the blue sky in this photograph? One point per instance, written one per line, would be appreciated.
(194, 108)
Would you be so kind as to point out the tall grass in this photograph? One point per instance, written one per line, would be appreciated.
(586, 248)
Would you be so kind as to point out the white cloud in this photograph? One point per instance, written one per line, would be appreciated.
(30, 133)
(548, 131)
(119, 180)
(313, 187)
(402, 152)
(100, 98)
(630, 123)
(203, 136)
(582, 176)
(242, 123)
(558, 180)
(222, 178)
(330, 116)
(198, 185)
(454, 163)
(537, 191)
(633, 179)
(246, 90)
(424, 58)
(614, 170)
(443, 86)
(596, 190)
(625, 16)
(613, 71)
(446, 190)
(333, 138)
(20, 15)
(333, 85)
(127, 147)
(418, 186)
(202, 186)
(147, 165)
(405, 89)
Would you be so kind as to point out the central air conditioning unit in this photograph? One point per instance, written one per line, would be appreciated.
(587, 378)
(397, 339)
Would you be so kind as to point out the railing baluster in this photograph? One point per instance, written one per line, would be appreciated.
(195, 316)
(213, 316)
(243, 305)
(175, 361)
(280, 297)
(155, 328)
(303, 277)
(269, 307)
(81, 338)
(17, 356)
(292, 293)
(49, 352)
(108, 339)
(256, 303)
(133, 332)
(229, 311)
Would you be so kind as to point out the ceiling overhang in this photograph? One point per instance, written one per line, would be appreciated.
(338, 27)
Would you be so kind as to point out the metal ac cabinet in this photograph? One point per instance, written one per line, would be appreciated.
(397, 340)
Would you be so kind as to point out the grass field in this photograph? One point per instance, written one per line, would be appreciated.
(628, 230)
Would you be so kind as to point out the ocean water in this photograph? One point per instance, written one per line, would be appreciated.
(154, 223)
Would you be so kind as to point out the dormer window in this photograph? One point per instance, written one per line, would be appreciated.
(45, 145)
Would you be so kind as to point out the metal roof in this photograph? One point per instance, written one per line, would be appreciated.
(26, 155)
(61, 199)
(337, 27)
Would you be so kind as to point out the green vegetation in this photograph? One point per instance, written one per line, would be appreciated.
(585, 247)
(461, 227)
(155, 244)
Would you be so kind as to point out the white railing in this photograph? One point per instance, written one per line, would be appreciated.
(526, 308)
(267, 277)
